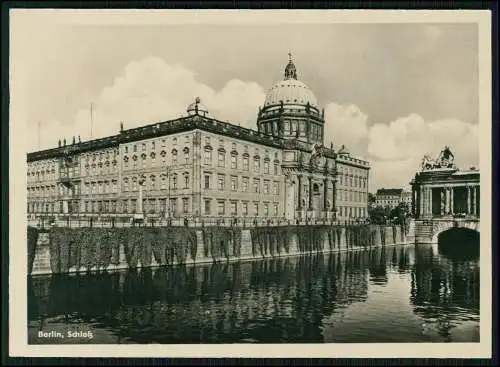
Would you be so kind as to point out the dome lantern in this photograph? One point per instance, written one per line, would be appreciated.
(290, 70)
(196, 108)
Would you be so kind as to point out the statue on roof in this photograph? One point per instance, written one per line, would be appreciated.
(427, 163)
(446, 158)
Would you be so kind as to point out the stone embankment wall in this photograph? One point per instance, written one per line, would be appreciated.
(66, 250)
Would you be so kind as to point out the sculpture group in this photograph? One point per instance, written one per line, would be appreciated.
(445, 159)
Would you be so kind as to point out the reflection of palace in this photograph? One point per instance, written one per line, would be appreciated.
(287, 296)
(202, 167)
(443, 289)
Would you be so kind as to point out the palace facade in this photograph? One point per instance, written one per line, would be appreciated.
(198, 166)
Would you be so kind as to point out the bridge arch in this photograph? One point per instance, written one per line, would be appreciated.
(445, 225)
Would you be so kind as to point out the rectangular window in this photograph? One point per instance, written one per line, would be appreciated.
(276, 207)
(221, 159)
(266, 209)
(266, 167)
(220, 182)
(276, 168)
(245, 163)
(185, 205)
(207, 181)
(234, 161)
(266, 187)
(256, 209)
(256, 165)
(173, 206)
(186, 181)
(245, 184)
(208, 157)
(234, 183)
(234, 208)
(174, 157)
(207, 206)
(220, 207)
(244, 208)
(186, 156)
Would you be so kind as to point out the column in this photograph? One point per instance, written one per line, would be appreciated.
(451, 201)
(469, 199)
(325, 195)
(473, 199)
(310, 193)
(334, 195)
(447, 200)
(478, 201)
(299, 178)
(429, 200)
(413, 201)
(421, 202)
(139, 200)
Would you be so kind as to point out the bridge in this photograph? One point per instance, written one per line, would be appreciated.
(444, 198)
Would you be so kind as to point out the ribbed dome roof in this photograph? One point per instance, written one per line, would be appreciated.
(290, 90)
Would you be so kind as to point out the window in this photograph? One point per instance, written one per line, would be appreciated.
(276, 208)
(256, 185)
(186, 181)
(185, 205)
(220, 207)
(266, 187)
(163, 182)
(244, 207)
(266, 209)
(234, 161)
(266, 166)
(174, 156)
(207, 206)
(233, 208)
(275, 168)
(207, 181)
(153, 146)
(208, 157)
(163, 142)
(126, 149)
(186, 155)
(256, 164)
(256, 208)
(220, 182)
(173, 206)
(174, 181)
(143, 147)
(234, 183)
(221, 159)
(245, 184)
(245, 163)
(276, 188)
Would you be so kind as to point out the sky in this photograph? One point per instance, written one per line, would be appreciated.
(392, 92)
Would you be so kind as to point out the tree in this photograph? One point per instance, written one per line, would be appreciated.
(400, 213)
(379, 214)
(371, 199)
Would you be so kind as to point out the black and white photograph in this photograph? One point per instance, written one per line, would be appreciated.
(235, 180)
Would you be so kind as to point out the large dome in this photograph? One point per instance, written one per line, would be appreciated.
(290, 91)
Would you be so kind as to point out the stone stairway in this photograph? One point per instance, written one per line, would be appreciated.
(423, 232)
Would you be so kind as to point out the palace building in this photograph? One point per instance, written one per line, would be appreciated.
(197, 166)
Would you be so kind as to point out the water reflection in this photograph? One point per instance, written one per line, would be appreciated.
(265, 301)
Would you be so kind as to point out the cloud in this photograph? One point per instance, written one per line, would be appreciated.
(346, 125)
(150, 90)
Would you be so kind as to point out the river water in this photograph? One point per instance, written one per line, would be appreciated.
(392, 294)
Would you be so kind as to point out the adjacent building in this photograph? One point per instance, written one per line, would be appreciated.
(198, 166)
(389, 197)
(440, 189)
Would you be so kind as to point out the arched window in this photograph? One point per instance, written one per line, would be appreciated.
(186, 180)
(186, 155)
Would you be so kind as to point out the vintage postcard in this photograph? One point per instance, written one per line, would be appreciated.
(291, 183)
